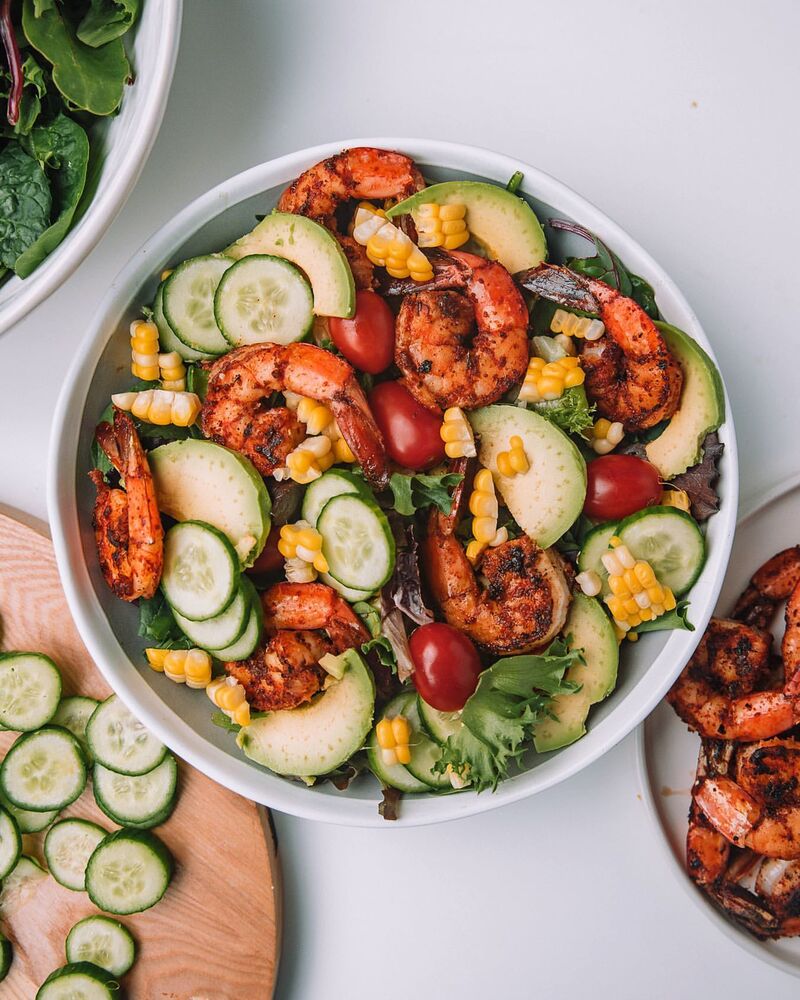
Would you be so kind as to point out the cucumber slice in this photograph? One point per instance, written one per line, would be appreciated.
(120, 742)
(67, 848)
(224, 629)
(10, 843)
(425, 752)
(245, 645)
(44, 770)
(348, 593)
(336, 482)
(27, 820)
(78, 981)
(188, 303)
(263, 300)
(6, 956)
(394, 775)
(167, 340)
(128, 872)
(440, 726)
(73, 713)
(670, 540)
(20, 884)
(594, 545)
(104, 942)
(30, 689)
(357, 541)
(141, 801)
(201, 570)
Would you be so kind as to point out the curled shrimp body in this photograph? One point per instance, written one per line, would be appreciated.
(363, 172)
(236, 411)
(630, 374)
(758, 808)
(524, 603)
(303, 622)
(770, 584)
(127, 524)
(463, 341)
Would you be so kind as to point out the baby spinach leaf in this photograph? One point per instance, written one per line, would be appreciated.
(157, 624)
(90, 79)
(25, 203)
(410, 493)
(106, 20)
(63, 148)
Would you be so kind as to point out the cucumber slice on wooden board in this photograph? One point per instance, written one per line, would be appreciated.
(19, 884)
(6, 956)
(104, 942)
(120, 742)
(263, 300)
(73, 713)
(67, 848)
(188, 303)
(44, 770)
(10, 843)
(27, 820)
(79, 981)
(30, 689)
(137, 800)
(128, 872)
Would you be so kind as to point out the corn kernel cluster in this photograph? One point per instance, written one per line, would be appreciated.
(441, 225)
(389, 247)
(144, 350)
(636, 595)
(606, 436)
(549, 379)
(319, 419)
(393, 739)
(301, 541)
(484, 509)
(513, 461)
(581, 327)
(676, 498)
(456, 432)
(589, 582)
(229, 696)
(173, 371)
(308, 461)
(160, 406)
(191, 667)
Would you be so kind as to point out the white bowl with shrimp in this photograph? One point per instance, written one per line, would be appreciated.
(108, 626)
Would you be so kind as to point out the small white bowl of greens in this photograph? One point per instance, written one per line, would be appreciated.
(109, 627)
(76, 131)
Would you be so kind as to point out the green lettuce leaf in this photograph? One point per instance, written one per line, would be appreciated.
(106, 20)
(571, 411)
(511, 697)
(411, 493)
(675, 619)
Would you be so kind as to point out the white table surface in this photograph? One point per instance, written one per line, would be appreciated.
(679, 120)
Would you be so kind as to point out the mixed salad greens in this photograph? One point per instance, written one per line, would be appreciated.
(394, 489)
(64, 67)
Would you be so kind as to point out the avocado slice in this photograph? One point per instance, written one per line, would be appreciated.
(316, 738)
(700, 411)
(502, 224)
(547, 499)
(313, 249)
(589, 628)
(202, 481)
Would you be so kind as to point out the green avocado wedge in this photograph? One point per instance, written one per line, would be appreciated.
(700, 411)
(502, 224)
(310, 247)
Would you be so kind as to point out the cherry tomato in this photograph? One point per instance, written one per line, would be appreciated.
(411, 431)
(619, 485)
(446, 666)
(270, 561)
(366, 340)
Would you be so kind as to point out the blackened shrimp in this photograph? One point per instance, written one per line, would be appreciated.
(631, 376)
(236, 411)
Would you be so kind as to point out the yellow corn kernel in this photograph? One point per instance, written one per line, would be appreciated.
(484, 528)
(615, 541)
(300, 460)
(197, 668)
(656, 594)
(241, 714)
(644, 574)
(618, 586)
(601, 428)
(146, 374)
(589, 582)
(483, 481)
(647, 614)
(401, 730)
(676, 498)
(156, 657)
(166, 273)
(669, 600)
(385, 734)
(174, 665)
(616, 606)
(342, 451)
(456, 432)
(504, 466)
(550, 387)
(474, 549)
(574, 377)
(441, 225)
(605, 436)
(448, 213)
(632, 636)
(483, 504)
(510, 462)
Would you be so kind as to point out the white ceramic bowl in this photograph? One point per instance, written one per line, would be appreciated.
(120, 147)
(182, 718)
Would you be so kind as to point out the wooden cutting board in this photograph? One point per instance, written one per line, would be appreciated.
(215, 934)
